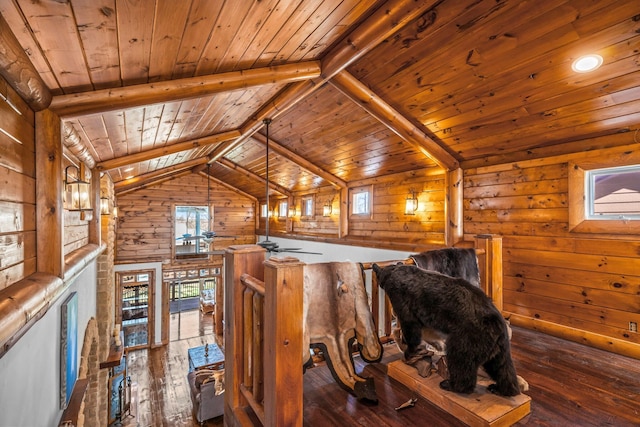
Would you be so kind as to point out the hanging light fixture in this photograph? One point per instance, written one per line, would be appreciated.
(411, 203)
(76, 191)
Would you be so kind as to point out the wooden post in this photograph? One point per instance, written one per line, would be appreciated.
(491, 267)
(283, 342)
(453, 207)
(343, 224)
(49, 187)
(238, 260)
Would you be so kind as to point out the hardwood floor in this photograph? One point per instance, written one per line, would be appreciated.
(570, 385)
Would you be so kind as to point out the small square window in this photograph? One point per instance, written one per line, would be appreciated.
(283, 209)
(613, 193)
(307, 207)
(263, 211)
(361, 201)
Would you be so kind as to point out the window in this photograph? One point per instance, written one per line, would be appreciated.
(361, 201)
(307, 207)
(190, 224)
(264, 211)
(283, 208)
(604, 199)
(613, 193)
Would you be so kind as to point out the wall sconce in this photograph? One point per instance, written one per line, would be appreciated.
(76, 192)
(104, 206)
(292, 211)
(326, 209)
(411, 204)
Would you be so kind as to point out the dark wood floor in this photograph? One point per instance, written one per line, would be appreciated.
(570, 385)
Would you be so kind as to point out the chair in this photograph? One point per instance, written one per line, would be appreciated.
(206, 404)
(208, 300)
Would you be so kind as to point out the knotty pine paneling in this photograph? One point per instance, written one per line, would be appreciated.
(588, 282)
(17, 189)
(145, 219)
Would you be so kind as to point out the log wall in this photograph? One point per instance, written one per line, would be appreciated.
(17, 188)
(145, 219)
(581, 286)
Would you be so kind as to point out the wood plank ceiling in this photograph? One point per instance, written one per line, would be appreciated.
(356, 89)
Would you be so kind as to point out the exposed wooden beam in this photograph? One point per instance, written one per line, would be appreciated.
(386, 21)
(154, 181)
(73, 141)
(164, 151)
(144, 179)
(301, 161)
(228, 186)
(100, 101)
(387, 115)
(19, 72)
(236, 167)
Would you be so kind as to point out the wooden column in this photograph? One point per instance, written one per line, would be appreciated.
(283, 342)
(453, 207)
(491, 267)
(343, 224)
(94, 223)
(238, 260)
(49, 187)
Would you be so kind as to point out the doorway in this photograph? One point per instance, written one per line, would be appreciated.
(134, 307)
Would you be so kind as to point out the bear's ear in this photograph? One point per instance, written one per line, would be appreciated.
(376, 269)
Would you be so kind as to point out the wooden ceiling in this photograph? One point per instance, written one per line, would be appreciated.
(355, 89)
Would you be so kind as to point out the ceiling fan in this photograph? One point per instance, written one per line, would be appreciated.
(267, 244)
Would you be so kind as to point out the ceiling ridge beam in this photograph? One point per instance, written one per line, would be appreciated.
(105, 100)
(361, 95)
(145, 179)
(165, 151)
(151, 182)
(389, 19)
(227, 186)
(236, 167)
(301, 161)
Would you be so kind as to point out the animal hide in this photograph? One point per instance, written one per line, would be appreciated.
(336, 311)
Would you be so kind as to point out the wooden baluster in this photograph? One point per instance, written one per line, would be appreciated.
(491, 267)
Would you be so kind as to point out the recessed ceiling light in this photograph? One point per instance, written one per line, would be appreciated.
(586, 63)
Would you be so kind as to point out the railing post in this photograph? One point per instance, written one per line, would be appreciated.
(491, 268)
(238, 260)
(283, 341)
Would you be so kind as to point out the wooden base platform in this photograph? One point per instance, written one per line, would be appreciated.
(479, 409)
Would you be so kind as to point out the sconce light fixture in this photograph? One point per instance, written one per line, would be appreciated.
(326, 208)
(76, 191)
(292, 211)
(411, 204)
(104, 206)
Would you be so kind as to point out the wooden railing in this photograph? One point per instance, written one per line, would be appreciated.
(263, 329)
(263, 338)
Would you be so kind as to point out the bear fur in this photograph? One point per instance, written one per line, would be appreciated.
(476, 333)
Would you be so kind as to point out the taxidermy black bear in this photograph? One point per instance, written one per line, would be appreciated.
(476, 333)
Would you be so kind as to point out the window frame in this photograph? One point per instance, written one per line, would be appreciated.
(189, 256)
(353, 192)
(579, 221)
(307, 215)
(283, 208)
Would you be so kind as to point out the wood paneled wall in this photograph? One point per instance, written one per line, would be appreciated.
(17, 188)
(145, 218)
(580, 286)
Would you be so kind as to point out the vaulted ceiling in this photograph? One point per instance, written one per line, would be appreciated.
(355, 89)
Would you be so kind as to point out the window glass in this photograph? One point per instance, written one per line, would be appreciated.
(361, 203)
(307, 206)
(613, 193)
(190, 224)
(283, 208)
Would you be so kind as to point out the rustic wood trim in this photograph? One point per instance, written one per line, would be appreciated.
(343, 221)
(489, 248)
(591, 339)
(158, 174)
(361, 95)
(72, 411)
(76, 261)
(454, 207)
(95, 228)
(49, 188)
(101, 101)
(301, 161)
(164, 151)
(73, 141)
(578, 222)
(236, 167)
(19, 72)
